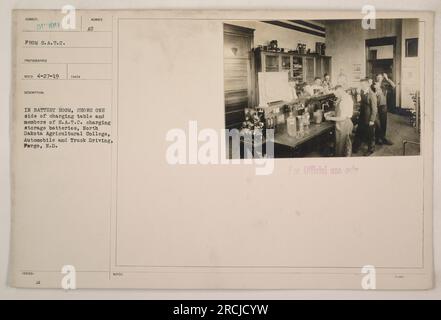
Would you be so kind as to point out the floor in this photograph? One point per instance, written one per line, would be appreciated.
(398, 130)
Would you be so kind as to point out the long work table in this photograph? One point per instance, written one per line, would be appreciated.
(315, 130)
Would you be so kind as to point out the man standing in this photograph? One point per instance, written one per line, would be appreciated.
(366, 121)
(382, 85)
(344, 110)
(327, 84)
(315, 88)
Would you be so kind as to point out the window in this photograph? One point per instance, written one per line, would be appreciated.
(412, 47)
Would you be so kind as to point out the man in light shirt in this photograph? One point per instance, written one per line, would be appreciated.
(344, 110)
(314, 89)
(293, 89)
(327, 84)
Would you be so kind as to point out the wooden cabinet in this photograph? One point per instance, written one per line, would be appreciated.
(297, 69)
(309, 68)
(271, 63)
(322, 66)
(238, 74)
(300, 67)
(319, 67)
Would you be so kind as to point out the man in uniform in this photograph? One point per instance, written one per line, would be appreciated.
(382, 85)
(366, 121)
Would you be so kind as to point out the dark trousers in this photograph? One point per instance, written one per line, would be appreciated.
(381, 123)
(343, 144)
(364, 133)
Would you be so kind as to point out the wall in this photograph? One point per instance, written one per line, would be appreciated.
(345, 42)
(410, 66)
(286, 38)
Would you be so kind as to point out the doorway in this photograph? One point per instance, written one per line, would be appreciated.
(382, 57)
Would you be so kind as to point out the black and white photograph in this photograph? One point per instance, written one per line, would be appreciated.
(244, 152)
(324, 88)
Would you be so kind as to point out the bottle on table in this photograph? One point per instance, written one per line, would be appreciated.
(291, 125)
